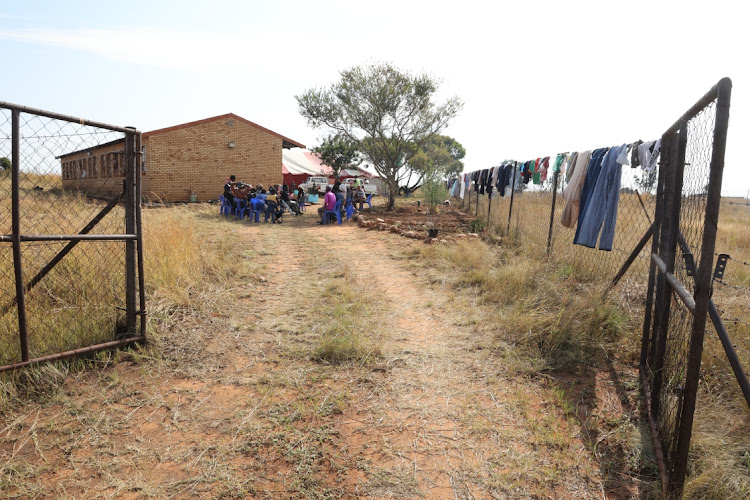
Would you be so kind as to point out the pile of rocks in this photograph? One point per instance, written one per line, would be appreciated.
(410, 229)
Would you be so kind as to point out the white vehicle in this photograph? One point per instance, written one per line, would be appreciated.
(369, 188)
(315, 185)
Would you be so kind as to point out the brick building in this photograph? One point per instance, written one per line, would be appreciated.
(192, 158)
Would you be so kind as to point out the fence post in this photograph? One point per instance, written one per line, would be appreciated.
(139, 232)
(702, 285)
(668, 243)
(16, 230)
(130, 254)
(552, 213)
(512, 193)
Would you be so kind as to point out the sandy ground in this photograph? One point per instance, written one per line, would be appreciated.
(235, 407)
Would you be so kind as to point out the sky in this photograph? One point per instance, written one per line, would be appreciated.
(536, 77)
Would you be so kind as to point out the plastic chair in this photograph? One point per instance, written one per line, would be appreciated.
(256, 208)
(240, 208)
(225, 208)
(336, 211)
(349, 209)
(369, 200)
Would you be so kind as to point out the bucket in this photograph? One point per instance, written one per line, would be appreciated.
(432, 233)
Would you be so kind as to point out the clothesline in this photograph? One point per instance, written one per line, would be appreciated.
(592, 191)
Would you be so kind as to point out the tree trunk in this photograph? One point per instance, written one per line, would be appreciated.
(392, 190)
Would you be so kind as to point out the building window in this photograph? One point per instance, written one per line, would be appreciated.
(143, 159)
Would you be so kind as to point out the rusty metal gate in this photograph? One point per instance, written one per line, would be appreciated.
(71, 266)
(680, 278)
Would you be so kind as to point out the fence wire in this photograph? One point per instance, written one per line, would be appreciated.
(68, 172)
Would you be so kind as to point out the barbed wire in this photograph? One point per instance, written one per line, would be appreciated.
(729, 317)
(733, 287)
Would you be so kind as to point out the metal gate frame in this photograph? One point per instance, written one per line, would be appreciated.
(662, 283)
(135, 302)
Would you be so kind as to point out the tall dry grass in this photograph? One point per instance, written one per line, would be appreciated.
(720, 451)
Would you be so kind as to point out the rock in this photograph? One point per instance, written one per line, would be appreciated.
(379, 220)
(394, 229)
(397, 223)
(428, 240)
(429, 225)
(410, 234)
(443, 241)
(382, 226)
(390, 222)
(355, 217)
(460, 235)
(413, 223)
(473, 235)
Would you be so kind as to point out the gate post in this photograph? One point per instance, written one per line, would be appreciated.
(130, 244)
(16, 230)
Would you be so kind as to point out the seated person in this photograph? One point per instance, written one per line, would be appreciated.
(272, 203)
(240, 190)
(261, 195)
(329, 203)
(228, 186)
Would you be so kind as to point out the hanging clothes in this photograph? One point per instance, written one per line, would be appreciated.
(592, 175)
(557, 166)
(572, 192)
(570, 168)
(543, 169)
(635, 159)
(601, 208)
(648, 153)
(475, 177)
(464, 184)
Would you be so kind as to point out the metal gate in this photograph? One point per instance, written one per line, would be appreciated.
(680, 277)
(71, 266)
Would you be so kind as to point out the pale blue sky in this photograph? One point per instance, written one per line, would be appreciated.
(537, 77)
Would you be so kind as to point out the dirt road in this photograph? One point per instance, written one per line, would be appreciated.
(236, 407)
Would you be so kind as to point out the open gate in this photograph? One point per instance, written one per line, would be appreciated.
(71, 263)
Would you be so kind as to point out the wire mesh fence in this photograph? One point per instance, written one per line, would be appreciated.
(67, 182)
(686, 187)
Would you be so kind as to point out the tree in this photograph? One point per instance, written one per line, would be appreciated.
(5, 165)
(439, 159)
(646, 181)
(338, 152)
(388, 113)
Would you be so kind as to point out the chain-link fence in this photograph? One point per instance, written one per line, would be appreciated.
(671, 211)
(68, 233)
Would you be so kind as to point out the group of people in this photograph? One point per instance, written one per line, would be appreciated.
(280, 198)
(354, 192)
(272, 202)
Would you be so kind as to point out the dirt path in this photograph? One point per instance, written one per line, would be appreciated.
(237, 409)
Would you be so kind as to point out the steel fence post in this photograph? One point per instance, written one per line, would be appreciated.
(552, 212)
(512, 194)
(130, 254)
(16, 230)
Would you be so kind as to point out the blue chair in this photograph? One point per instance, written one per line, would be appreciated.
(255, 209)
(336, 211)
(240, 208)
(225, 208)
(349, 209)
(369, 201)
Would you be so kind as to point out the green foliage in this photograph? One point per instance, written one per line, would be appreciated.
(388, 113)
(338, 152)
(5, 165)
(434, 192)
(440, 155)
(647, 181)
(477, 225)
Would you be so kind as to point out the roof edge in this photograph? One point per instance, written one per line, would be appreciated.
(286, 142)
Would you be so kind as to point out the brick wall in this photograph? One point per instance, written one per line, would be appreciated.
(98, 171)
(182, 160)
(198, 159)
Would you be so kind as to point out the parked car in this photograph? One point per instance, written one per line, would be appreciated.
(369, 188)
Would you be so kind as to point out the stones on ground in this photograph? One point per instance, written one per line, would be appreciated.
(390, 222)
(379, 220)
(382, 226)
